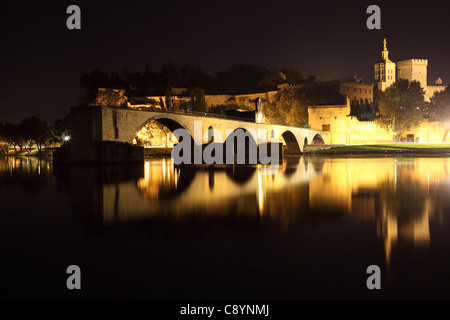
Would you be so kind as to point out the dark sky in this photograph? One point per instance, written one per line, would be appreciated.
(42, 60)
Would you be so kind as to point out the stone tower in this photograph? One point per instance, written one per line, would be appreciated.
(413, 69)
(384, 70)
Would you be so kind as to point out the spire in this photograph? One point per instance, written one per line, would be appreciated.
(385, 52)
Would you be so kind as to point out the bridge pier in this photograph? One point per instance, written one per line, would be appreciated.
(106, 152)
(87, 146)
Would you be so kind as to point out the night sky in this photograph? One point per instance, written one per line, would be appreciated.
(42, 61)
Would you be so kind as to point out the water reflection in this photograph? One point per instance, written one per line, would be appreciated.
(400, 194)
(31, 173)
(398, 197)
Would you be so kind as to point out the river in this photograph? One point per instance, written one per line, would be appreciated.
(156, 231)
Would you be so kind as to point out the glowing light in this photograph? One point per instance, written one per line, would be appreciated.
(164, 169)
(259, 117)
(66, 138)
(260, 194)
(395, 173)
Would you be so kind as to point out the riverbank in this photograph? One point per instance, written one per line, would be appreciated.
(378, 149)
(27, 153)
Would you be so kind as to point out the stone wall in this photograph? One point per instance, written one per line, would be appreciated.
(368, 132)
(334, 118)
(345, 129)
(88, 144)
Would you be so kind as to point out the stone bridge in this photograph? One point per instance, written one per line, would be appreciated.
(111, 127)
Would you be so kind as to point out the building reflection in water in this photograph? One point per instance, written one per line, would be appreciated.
(399, 196)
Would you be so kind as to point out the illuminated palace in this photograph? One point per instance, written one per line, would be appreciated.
(342, 119)
(345, 127)
(411, 70)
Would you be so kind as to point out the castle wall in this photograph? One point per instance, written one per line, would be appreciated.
(427, 132)
(216, 100)
(345, 129)
(431, 90)
(368, 132)
(333, 119)
(413, 70)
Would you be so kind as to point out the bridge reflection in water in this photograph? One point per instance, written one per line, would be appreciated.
(400, 197)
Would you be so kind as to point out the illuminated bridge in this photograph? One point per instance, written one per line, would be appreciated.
(105, 134)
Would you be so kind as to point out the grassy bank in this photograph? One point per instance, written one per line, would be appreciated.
(387, 148)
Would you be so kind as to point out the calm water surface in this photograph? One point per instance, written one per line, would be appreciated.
(155, 231)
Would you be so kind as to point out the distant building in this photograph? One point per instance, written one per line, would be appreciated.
(384, 70)
(345, 128)
(411, 70)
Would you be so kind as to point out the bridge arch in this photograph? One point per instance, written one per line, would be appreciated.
(169, 123)
(318, 139)
(250, 146)
(293, 147)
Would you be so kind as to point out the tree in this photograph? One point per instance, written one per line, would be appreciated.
(287, 108)
(192, 76)
(36, 131)
(4, 139)
(402, 107)
(60, 130)
(293, 75)
(169, 99)
(13, 135)
(272, 79)
(240, 78)
(198, 102)
(169, 75)
(290, 105)
(440, 109)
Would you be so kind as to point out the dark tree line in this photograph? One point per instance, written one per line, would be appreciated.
(239, 78)
(33, 131)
